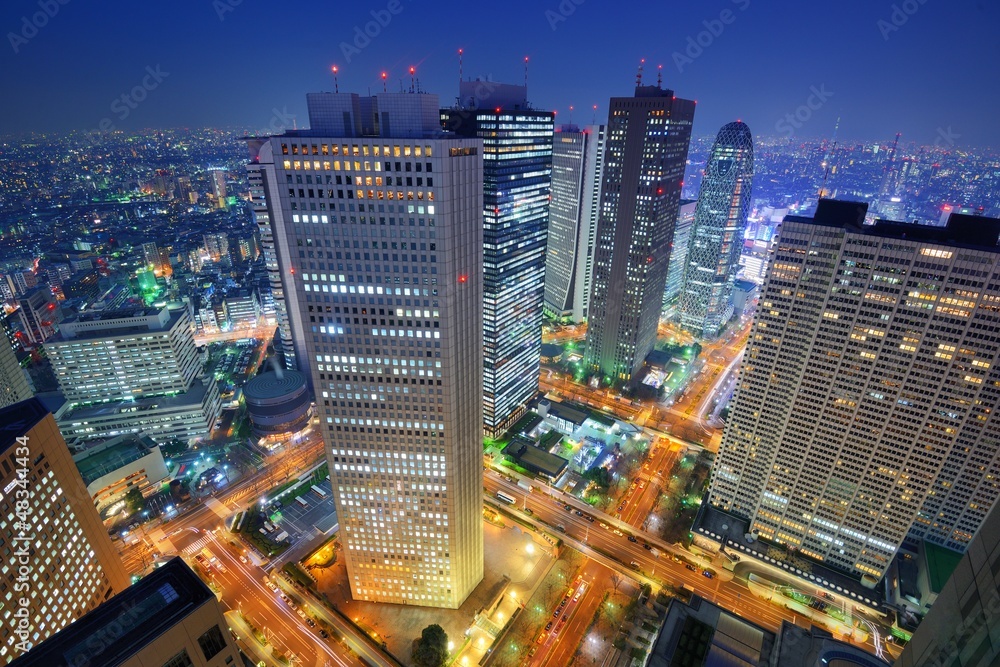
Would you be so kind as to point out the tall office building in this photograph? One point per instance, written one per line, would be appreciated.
(216, 246)
(380, 214)
(865, 405)
(40, 315)
(58, 562)
(577, 168)
(679, 254)
(717, 236)
(150, 254)
(648, 137)
(517, 170)
(273, 259)
(14, 384)
(132, 371)
(961, 628)
(219, 187)
(169, 618)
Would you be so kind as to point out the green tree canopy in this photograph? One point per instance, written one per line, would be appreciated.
(431, 649)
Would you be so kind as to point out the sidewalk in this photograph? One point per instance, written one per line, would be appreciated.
(248, 643)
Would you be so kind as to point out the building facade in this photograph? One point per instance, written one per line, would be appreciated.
(648, 138)
(132, 371)
(273, 260)
(381, 215)
(59, 561)
(517, 171)
(717, 236)
(14, 384)
(40, 315)
(577, 168)
(864, 409)
(679, 254)
(961, 629)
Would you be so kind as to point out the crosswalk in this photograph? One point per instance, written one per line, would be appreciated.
(196, 546)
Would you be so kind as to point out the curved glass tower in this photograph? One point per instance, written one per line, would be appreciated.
(717, 236)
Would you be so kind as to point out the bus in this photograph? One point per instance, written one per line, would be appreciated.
(510, 500)
(318, 491)
(301, 501)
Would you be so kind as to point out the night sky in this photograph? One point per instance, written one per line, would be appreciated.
(927, 68)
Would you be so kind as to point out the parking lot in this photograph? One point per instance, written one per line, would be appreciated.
(298, 520)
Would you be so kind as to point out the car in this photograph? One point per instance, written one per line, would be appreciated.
(548, 626)
(645, 545)
(690, 567)
(617, 532)
(312, 623)
(528, 510)
(621, 507)
(324, 634)
(604, 525)
(556, 613)
(634, 565)
(588, 518)
(535, 648)
(243, 559)
(578, 513)
(563, 603)
(707, 573)
(567, 507)
(631, 538)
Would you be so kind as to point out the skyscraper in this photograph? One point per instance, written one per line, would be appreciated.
(219, 187)
(381, 215)
(517, 169)
(679, 253)
(865, 405)
(273, 259)
(40, 314)
(648, 137)
(59, 562)
(577, 168)
(717, 236)
(14, 385)
(132, 371)
(961, 628)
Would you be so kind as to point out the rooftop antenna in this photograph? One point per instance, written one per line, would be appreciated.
(593, 119)
(413, 79)
(659, 76)
(638, 75)
(526, 73)
(571, 114)
(828, 160)
(336, 82)
(384, 77)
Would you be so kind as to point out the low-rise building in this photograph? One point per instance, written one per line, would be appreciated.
(113, 468)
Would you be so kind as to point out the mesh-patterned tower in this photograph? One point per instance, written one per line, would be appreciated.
(717, 237)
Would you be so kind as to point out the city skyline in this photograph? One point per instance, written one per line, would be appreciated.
(693, 44)
(428, 336)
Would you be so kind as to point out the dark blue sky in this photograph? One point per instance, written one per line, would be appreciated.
(920, 71)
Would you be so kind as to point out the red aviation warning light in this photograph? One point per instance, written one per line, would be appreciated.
(463, 278)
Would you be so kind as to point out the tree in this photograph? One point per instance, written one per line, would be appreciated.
(616, 580)
(134, 500)
(431, 649)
